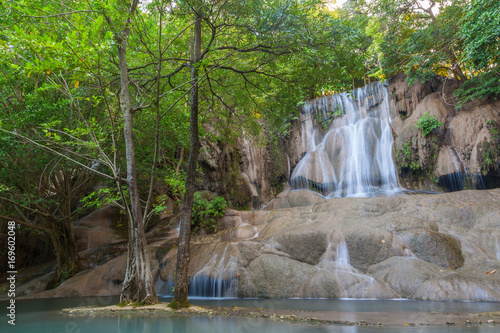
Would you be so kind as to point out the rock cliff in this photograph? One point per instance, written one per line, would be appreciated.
(463, 153)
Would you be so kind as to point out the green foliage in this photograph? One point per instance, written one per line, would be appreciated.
(483, 84)
(408, 158)
(427, 123)
(409, 162)
(480, 33)
(66, 274)
(206, 211)
(493, 127)
(176, 185)
(103, 197)
(325, 120)
(490, 154)
(63, 276)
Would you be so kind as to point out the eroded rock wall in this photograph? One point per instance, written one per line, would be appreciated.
(466, 144)
(251, 171)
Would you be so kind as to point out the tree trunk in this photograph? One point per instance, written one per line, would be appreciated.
(63, 243)
(180, 161)
(138, 285)
(181, 277)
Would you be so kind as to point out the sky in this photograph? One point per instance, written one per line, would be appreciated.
(336, 3)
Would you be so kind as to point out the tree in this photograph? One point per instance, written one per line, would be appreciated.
(418, 38)
(138, 284)
(241, 51)
(41, 193)
(182, 279)
(480, 34)
(47, 52)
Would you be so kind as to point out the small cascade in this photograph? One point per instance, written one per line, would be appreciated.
(408, 253)
(342, 260)
(347, 280)
(289, 168)
(497, 243)
(461, 179)
(454, 181)
(347, 140)
(336, 255)
(252, 172)
(217, 279)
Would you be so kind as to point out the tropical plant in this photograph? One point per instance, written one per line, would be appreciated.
(427, 123)
(206, 211)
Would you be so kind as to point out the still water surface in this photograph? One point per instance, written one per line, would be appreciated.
(43, 316)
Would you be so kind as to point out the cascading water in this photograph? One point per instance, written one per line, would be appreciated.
(461, 178)
(218, 278)
(497, 243)
(347, 140)
(344, 277)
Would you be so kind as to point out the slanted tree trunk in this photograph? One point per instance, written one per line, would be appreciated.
(138, 285)
(181, 277)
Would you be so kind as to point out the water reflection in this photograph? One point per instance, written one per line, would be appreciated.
(43, 316)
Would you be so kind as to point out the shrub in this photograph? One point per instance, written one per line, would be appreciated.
(427, 123)
(206, 211)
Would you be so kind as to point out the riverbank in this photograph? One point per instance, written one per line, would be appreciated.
(339, 318)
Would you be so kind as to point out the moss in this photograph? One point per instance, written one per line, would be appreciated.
(238, 195)
(410, 165)
(130, 303)
(325, 120)
(490, 154)
(490, 157)
(407, 158)
(176, 305)
(278, 164)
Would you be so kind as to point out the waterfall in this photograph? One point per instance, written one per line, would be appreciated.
(347, 140)
(342, 259)
(218, 278)
(497, 244)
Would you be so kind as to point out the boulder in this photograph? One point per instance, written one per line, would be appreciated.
(97, 229)
(304, 246)
(103, 280)
(405, 274)
(276, 276)
(368, 246)
(298, 198)
(435, 247)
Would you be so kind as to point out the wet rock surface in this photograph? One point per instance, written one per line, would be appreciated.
(411, 246)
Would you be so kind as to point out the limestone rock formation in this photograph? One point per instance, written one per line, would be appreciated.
(461, 154)
(383, 247)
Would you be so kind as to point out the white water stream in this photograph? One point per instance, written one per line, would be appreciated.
(347, 140)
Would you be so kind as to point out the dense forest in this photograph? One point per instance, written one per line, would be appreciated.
(104, 102)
